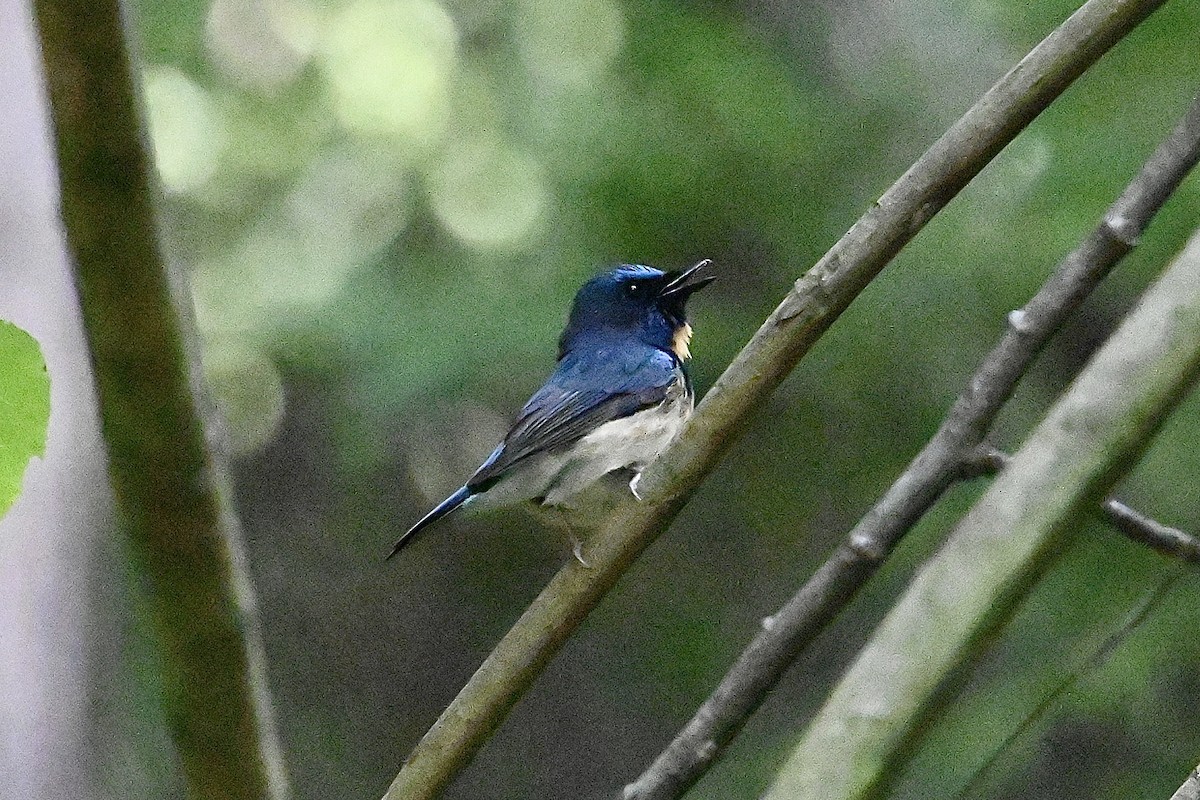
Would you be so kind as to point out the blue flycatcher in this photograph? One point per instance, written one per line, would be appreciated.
(619, 393)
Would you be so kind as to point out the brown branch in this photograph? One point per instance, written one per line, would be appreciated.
(949, 456)
(805, 313)
(171, 492)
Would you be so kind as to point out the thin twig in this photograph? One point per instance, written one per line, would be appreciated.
(805, 313)
(1131, 522)
(1150, 601)
(951, 610)
(1163, 538)
(172, 493)
(948, 456)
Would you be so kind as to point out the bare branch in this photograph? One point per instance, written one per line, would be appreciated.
(171, 492)
(944, 620)
(953, 453)
(1134, 524)
(1163, 538)
(805, 313)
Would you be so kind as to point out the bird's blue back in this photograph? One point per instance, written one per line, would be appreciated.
(605, 376)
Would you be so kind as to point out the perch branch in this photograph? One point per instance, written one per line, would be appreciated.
(949, 455)
(172, 495)
(805, 313)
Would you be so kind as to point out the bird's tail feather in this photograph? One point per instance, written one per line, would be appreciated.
(440, 510)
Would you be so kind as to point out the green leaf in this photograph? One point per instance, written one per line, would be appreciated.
(24, 408)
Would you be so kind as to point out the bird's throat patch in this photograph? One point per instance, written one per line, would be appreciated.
(681, 340)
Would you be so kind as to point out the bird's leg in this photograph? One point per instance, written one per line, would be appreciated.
(577, 550)
(633, 484)
(559, 515)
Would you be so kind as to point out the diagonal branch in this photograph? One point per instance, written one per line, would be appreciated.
(962, 596)
(805, 313)
(948, 456)
(172, 494)
(1190, 790)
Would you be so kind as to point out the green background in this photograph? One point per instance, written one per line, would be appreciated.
(386, 207)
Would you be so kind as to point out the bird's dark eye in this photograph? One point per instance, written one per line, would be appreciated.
(632, 289)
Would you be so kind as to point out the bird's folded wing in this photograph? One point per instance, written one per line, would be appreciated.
(564, 411)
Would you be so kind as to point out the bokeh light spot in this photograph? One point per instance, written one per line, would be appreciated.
(390, 66)
(340, 213)
(245, 41)
(487, 195)
(187, 131)
(348, 206)
(569, 41)
(248, 390)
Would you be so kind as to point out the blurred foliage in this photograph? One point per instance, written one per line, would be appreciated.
(386, 206)
(24, 408)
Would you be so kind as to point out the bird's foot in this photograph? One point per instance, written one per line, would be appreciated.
(577, 551)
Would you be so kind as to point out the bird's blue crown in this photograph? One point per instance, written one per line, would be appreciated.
(633, 303)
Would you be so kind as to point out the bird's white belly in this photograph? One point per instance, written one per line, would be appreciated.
(632, 442)
(628, 443)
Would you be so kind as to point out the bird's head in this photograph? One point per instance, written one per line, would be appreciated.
(638, 302)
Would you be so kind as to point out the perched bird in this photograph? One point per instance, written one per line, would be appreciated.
(619, 393)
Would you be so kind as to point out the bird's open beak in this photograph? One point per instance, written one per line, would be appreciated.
(682, 283)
